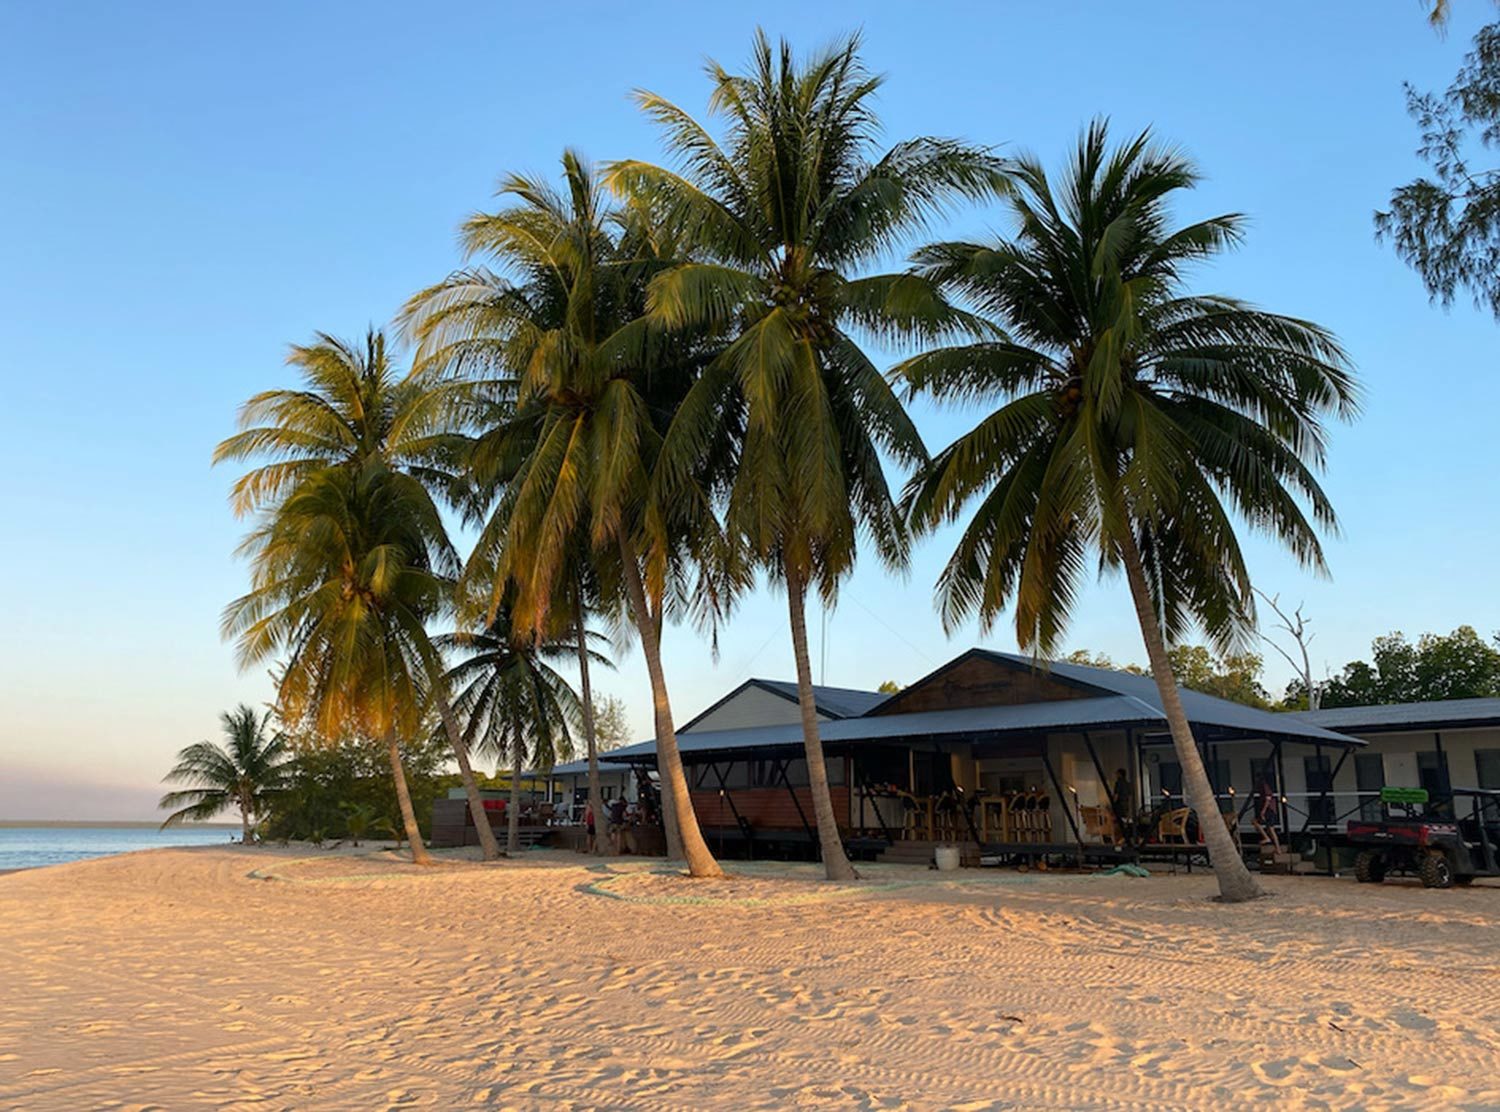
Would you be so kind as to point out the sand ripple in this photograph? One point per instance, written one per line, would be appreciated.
(221, 977)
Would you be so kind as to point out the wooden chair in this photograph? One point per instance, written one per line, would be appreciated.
(914, 825)
(1099, 822)
(1043, 817)
(1172, 827)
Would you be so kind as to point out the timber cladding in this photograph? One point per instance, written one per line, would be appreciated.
(979, 680)
(766, 808)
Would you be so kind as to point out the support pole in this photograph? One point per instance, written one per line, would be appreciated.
(728, 797)
(781, 766)
(1061, 795)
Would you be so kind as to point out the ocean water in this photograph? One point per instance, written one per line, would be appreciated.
(27, 847)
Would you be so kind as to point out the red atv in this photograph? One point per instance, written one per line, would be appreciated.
(1443, 844)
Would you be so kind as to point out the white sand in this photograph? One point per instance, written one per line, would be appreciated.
(176, 979)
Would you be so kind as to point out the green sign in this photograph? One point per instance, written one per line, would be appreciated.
(1403, 795)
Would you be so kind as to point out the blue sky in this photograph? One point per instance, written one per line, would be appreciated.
(188, 188)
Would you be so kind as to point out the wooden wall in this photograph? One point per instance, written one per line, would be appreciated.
(767, 808)
(977, 681)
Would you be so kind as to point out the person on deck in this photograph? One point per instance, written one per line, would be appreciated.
(588, 824)
(1267, 812)
(1120, 799)
(617, 823)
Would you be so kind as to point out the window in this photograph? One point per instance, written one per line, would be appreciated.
(705, 776)
(1218, 776)
(1432, 774)
(767, 774)
(1487, 764)
(1262, 768)
(1169, 778)
(1369, 778)
(1318, 775)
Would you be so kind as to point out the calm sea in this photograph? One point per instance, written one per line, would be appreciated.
(26, 847)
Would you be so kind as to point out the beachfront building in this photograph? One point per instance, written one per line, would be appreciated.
(999, 752)
(1012, 757)
(1436, 746)
(754, 703)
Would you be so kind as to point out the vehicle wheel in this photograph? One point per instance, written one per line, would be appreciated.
(1435, 871)
(1369, 868)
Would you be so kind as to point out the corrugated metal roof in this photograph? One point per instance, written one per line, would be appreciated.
(834, 702)
(1126, 700)
(1410, 716)
(572, 768)
(1208, 710)
(839, 702)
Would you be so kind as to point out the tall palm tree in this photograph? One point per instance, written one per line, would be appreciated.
(355, 406)
(513, 701)
(777, 221)
(581, 388)
(346, 573)
(1135, 420)
(244, 772)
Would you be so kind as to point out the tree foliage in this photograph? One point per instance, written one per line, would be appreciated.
(1232, 676)
(1128, 409)
(611, 723)
(245, 772)
(335, 789)
(1447, 226)
(1458, 665)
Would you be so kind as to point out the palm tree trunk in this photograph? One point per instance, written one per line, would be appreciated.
(677, 803)
(835, 862)
(487, 844)
(1235, 882)
(596, 792)
(245, 808)
(513, 816)
(419, 854)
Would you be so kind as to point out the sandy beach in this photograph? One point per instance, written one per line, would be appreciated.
(225, 977)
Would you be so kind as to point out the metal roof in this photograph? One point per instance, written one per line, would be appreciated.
(1453, 713)
(573, 768)
(835, 702)
(839, 702)
(1123, 700)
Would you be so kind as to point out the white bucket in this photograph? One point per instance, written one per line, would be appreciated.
(947, 858)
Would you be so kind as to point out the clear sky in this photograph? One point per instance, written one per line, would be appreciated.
(187, 188)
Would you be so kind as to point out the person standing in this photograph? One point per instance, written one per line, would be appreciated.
(1267, 812)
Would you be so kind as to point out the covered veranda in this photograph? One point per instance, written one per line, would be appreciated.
(1008, 783)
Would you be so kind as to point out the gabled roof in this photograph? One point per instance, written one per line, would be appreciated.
(1395, 717)
(1206, 709)
(1122, 700)
(835, 702)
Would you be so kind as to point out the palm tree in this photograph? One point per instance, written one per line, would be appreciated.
(244, 772)
(514, 702)
(777, 221)
(580, 389)
(346, 574)
(1135, 419)
(353, 407)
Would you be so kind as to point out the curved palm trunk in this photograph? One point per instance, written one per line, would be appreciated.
(677, 803)
(1235, 882)
(419, 854)
(596, 792)
(487, 844)
(835, 862)
(513, 814)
